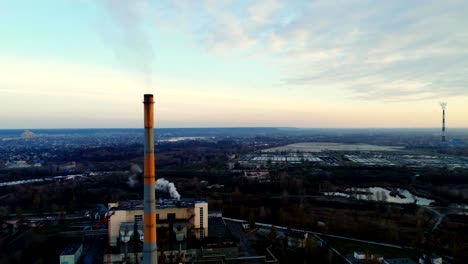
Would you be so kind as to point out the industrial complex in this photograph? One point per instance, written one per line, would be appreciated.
(413, 159)
(286, 195)
(180, 225)
(167, 230)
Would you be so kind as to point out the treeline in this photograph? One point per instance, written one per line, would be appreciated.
(71, 196)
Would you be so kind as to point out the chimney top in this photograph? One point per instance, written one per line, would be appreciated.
(148, 98)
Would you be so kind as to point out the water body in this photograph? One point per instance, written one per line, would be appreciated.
(382, 194)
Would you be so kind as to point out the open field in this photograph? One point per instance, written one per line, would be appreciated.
(320, 146)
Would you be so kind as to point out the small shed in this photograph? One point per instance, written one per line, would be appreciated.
(71, 254)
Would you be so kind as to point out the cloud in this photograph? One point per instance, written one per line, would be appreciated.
(415, 50)
(128, 19)
(228, 35)
(262, 12)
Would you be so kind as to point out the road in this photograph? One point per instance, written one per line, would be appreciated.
(440, 216)
(235, 227)
(441, 212)
(237, 231)
(281, 228)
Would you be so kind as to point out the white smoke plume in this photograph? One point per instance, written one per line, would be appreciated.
(134, 170)
(132, 181)
(167, 186)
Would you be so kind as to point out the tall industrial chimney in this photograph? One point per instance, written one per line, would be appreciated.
(444, 106)
(150, 255)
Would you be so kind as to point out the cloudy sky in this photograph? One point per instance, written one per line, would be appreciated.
(221, 63)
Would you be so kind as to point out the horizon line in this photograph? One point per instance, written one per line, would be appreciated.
(227, 127)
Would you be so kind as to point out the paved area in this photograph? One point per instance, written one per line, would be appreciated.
(244, 243)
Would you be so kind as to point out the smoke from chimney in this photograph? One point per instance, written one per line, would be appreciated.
(134, 171)
(129, 17)
(167, 186)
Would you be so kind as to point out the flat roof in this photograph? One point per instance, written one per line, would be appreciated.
(160, 204)
(71, 249)
(400, 261)
(217, 228)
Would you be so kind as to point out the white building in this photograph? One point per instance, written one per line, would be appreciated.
(430, 259)
(296, 239)
(71, 254)
(359, 255)
(190, 217)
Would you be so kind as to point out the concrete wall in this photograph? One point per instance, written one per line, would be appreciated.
(121, 216)
(201, 219)
(72, 258)
(117, 219)
(181, 213)
(190, 256)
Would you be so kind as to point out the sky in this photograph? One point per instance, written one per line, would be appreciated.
(230, 63)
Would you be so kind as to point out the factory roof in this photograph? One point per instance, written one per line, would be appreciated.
(217, 228)
(399, 261)
(160, 204)
(70, 249)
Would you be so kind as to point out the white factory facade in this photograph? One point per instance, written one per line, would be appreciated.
(185, 217)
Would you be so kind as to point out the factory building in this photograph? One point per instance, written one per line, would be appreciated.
(71, 254)
(182, 233)
(188, 217)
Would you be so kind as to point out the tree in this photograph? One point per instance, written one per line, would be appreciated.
(282, 215)
(310, 245)
(4, 212)
(284, 197)
(251, 218)
(299, 214)
(383, 196)
(369, 194)
(269, 162)
(19, 213)
(262, 213)
(273, 234)
(36, 201)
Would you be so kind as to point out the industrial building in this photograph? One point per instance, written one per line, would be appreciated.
(182, 224)
(266, 159)
(165, 230)
(71, 254)
(183, 229)
(187, 212)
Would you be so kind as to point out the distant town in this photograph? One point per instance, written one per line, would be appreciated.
(236, 195)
